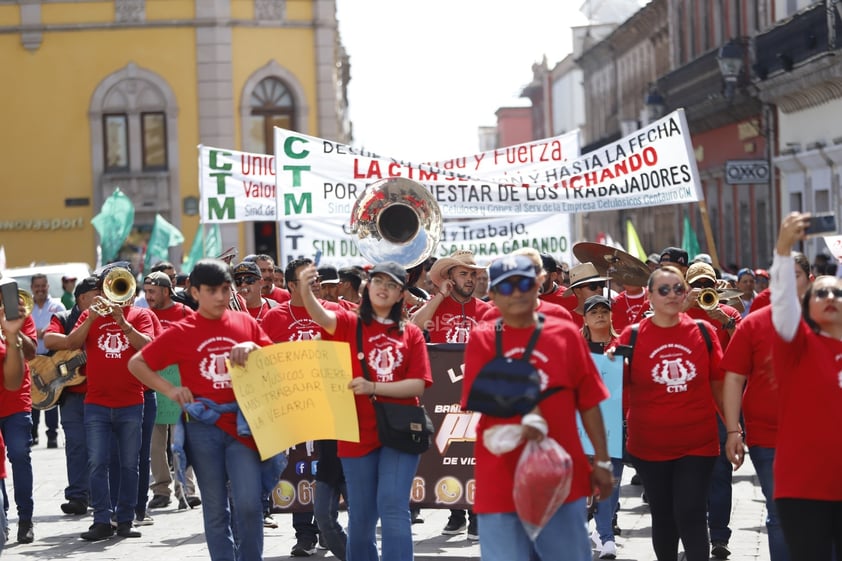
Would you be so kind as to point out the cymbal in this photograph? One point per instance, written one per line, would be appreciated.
(613, 262)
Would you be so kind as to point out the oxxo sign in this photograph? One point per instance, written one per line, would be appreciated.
(743, 172)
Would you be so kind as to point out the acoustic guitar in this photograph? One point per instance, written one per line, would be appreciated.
(51, 374)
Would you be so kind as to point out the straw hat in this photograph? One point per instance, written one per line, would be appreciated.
(583, 273)
(460, 258)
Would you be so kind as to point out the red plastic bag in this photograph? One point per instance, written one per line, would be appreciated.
(543, 477)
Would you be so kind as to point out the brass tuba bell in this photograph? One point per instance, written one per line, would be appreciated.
(708, 299)
(118, 288)
(396, 219)
(28, 300)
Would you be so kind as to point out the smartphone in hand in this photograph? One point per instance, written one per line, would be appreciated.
(821, 224)
(9, 297)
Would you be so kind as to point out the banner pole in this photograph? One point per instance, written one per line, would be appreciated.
(703, 210)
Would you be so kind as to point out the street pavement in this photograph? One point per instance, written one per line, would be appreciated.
(178, 535)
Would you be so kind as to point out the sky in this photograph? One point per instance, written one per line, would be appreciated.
(426, 74)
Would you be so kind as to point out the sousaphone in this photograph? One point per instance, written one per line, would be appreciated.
(396, 219)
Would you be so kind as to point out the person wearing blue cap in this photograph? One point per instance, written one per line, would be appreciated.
(513, 287)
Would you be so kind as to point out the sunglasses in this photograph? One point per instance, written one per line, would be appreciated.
(822, 293)
(596, 285)
(246, 280)
(665, 289)
(507, 287)
(704, 284)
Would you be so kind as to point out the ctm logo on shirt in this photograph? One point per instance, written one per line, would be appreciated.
(674, 373)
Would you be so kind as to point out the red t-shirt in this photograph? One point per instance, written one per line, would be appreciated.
(21, 399)
(749, 354)
(172, 315)
(671, 412)
(808, 456)
(628, 309)
(287, 322)
(556, 296)
(391, 356)
(453, 321)
(544, 307)
(763, 299)
(110, 384)
(495, 474)
(279, 295)
(199, 346)
(56, 326)
(722, 334)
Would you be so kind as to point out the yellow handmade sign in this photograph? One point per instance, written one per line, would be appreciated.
(297, 391)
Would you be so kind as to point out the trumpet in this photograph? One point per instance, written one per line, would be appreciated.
(28, 301)
(118, 288)
(708, 299)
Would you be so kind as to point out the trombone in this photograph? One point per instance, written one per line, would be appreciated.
(708, 299)
(118, 288)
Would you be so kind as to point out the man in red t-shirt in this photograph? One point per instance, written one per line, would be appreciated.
(449, 316)
(159, 292)
(266, 265)
(585, 281)
(247, 280)
(551, 289)
(227, 465)
(113, 406)
(513, 289)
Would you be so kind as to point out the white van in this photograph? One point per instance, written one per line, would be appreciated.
(23, 275)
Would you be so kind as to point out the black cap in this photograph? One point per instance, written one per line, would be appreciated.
(674, 255)
(86, 285)
(392, 269)
(597, 300)
(549, 263)
(246, 268)
(328, 275)
(158, 278)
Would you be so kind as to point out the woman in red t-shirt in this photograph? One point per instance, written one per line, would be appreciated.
(379, 478)
(672, 434)
(807, 361)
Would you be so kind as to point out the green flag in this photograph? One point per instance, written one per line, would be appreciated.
(689, 241)
(633, 242)
(210, 246)
(114, 223)
(164, 236)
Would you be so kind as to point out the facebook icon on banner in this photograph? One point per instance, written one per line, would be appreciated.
(300, 468)
(314, 467)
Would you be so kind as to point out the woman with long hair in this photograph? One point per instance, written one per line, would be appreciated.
(378, 478)
(808, 369)
(673, 386)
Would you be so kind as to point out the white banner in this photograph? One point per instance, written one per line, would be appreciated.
(236, 186)
(487, 238)
(653, 166)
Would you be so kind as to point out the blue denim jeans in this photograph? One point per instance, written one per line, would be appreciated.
(17, 433)
(378, 488)
(502, 536)
(150, 410)
(720, 491)
(605, 510)
(763, 459)
(105, 426)
(75, 447)
(326, 509)
(219, 459)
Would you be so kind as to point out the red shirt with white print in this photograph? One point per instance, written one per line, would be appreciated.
(287, 322)
(453, 321)
(808, 456)
(628, 309)
(749, 354)
(110, 384)
(20, 399)
(671, 412)
(391, 356)
(199, 346)
(584, 390)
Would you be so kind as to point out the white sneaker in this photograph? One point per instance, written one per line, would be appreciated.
(609, 550)
(597, 543)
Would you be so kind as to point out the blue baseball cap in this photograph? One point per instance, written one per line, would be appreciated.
(510, 266)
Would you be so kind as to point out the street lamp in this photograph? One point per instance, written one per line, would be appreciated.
(730, 61)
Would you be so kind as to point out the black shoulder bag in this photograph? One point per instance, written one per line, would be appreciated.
(507, 387)
(407, 428)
